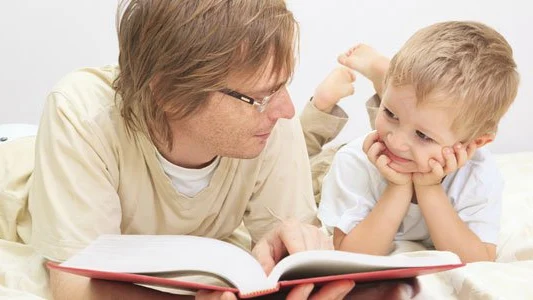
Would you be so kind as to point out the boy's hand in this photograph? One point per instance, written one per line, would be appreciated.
(337, 85)
(455, 158)
(373, 147)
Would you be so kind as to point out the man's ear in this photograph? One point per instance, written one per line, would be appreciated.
(153, 82)
(481, 141)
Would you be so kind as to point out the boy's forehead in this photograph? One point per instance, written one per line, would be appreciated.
(434, 117)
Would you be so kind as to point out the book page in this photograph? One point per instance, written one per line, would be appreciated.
(153, 254)
(330, 262)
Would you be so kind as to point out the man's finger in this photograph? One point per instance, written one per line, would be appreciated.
(264, 255)
(334, 290)
(291, 236)
(300, 292)
(215, 295)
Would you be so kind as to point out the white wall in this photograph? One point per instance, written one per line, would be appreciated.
(43, 40)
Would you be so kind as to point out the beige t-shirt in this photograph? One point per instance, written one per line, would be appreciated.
(91, 177)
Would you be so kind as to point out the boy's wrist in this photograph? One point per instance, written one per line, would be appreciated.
(421, 190)
(405, 189)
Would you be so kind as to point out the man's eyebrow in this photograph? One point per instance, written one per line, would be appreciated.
(271, 88)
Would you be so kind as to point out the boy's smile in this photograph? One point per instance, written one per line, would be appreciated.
(412, 132)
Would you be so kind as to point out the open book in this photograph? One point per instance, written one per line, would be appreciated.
(161, 260)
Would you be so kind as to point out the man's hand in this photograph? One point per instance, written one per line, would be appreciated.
(454, 158)
(373, 147)
(215, 295)
(291, 237)
(337, 85)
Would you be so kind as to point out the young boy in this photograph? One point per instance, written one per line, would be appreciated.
(421, 175)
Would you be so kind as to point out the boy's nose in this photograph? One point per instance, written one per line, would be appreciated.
(397, 141)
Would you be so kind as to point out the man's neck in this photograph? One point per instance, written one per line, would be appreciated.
(187, 154)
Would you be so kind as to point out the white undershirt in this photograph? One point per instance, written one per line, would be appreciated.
(188, 182)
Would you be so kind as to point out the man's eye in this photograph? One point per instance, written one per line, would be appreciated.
(390, 114)
(423, 137)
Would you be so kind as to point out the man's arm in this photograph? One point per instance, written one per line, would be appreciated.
(72, 198)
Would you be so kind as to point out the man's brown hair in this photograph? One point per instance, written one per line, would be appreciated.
(466, 63)
(174, 53)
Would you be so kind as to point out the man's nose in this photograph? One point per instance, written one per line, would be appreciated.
(280, 106)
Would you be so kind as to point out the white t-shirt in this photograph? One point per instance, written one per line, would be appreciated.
(353, 186)
(188, 182)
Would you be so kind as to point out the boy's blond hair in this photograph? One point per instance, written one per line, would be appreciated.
(173, 54)
(468, 65)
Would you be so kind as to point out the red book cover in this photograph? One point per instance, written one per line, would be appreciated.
(163, 261)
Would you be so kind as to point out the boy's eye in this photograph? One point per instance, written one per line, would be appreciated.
(423, 137)
(390, 114)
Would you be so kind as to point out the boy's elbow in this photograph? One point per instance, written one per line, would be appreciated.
(491, 251)
(338, 237)
(488, 253)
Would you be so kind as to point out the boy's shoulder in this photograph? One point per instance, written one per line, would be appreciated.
(482, 163)
(354, 149)
(351, 155)
(481, 172)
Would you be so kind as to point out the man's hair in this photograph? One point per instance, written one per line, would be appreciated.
(174, 53)
(468, 65)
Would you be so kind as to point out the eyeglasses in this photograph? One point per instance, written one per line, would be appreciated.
(260, 105)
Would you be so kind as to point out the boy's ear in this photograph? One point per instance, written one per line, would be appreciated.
(481, 141)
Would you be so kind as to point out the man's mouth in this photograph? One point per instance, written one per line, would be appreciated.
(263, 135)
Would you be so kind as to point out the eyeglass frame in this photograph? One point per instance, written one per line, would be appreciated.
(259, 104)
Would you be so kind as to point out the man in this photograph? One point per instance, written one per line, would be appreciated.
(191, 134)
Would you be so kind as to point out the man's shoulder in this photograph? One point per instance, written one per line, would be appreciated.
(88, 90)
(286, 133)
(285, 143)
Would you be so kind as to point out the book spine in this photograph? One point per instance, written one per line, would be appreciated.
(258, 293)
